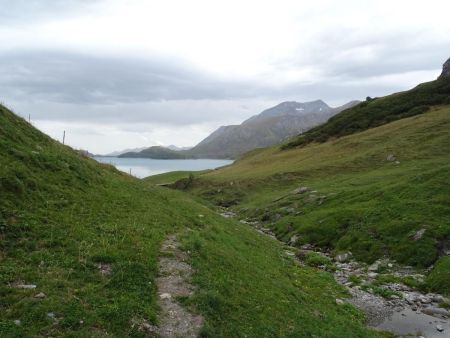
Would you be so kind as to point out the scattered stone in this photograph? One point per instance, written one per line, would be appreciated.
(343, 257)
(307, 246)
(419, 234)
(375, 266)
(40, 295)
(372, 274)
(165, 296)
(439, 328)
(290, 253)
(17, 322)
(390, 265)
(391, 158)
(105, 269)
(293, 240)
(339, 301)
(26, 286)
(51, 315)
(301, 190)
(201, 216)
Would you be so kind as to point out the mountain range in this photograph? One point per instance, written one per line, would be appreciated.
(271, 126)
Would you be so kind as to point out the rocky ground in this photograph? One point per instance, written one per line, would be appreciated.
(174, 282)
(387, 292)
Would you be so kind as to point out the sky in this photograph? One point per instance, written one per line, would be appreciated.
(135, 73)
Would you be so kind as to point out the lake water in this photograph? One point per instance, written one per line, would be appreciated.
(143, 167)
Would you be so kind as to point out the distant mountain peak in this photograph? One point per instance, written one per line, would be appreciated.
(445, 69)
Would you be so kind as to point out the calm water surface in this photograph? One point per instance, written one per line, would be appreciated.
(143, 167)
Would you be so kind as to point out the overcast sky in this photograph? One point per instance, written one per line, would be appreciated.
(133, 73)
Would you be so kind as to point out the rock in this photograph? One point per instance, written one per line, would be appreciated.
(437, 298)
(105, 269)
(390, 265)
(51, 315)
(445, 70)
(374, 267)
(372, 274)
(436, 311)
(165, 296)
(26, 286)
(301, 190)
(343, 257)
(201, 216)
(289, 253)
(439, 328)
(307, 246)
(339, 301)
(17, 322)
(418, 235)
(40, 295)
(425, 300)
(391, 158)
(293, 240)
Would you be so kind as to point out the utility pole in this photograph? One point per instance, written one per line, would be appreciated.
(64, 137)
(29, 118)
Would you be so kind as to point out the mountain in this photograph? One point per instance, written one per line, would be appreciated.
(120, 152)
(173, 147)
(156, 152)
(378, 111)
(269, 127)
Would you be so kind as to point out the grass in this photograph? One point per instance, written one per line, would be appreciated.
(250, 288)
(358, 199)
(438, 279)
(378, 111)
(61, 214)
(173, 176)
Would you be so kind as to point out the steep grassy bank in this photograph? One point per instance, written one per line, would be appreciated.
(375, 112)
(80, 242)
(369, 192)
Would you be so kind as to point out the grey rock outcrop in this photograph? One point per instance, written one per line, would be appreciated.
(445, 69)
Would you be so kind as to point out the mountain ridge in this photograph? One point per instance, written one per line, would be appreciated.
(271, 126)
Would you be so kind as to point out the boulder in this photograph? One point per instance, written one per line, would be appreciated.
(301, 190)
(419, 234)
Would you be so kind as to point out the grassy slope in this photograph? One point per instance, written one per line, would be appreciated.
(363, 202)
(62, 213)
(172, 176)
(379, 111)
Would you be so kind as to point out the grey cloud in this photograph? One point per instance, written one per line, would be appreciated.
(77, 78)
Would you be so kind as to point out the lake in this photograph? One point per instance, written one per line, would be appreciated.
(143, 167)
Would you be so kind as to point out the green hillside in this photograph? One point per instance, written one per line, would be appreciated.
(378, 111)
(65, 219)
(369, 192)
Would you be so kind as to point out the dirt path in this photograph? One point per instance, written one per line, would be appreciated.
(173, 282)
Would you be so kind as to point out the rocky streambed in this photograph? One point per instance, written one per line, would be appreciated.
(387, 292)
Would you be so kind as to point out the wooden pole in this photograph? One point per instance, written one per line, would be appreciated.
(64, 137)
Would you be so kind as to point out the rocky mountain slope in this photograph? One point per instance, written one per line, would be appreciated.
(269, 127)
